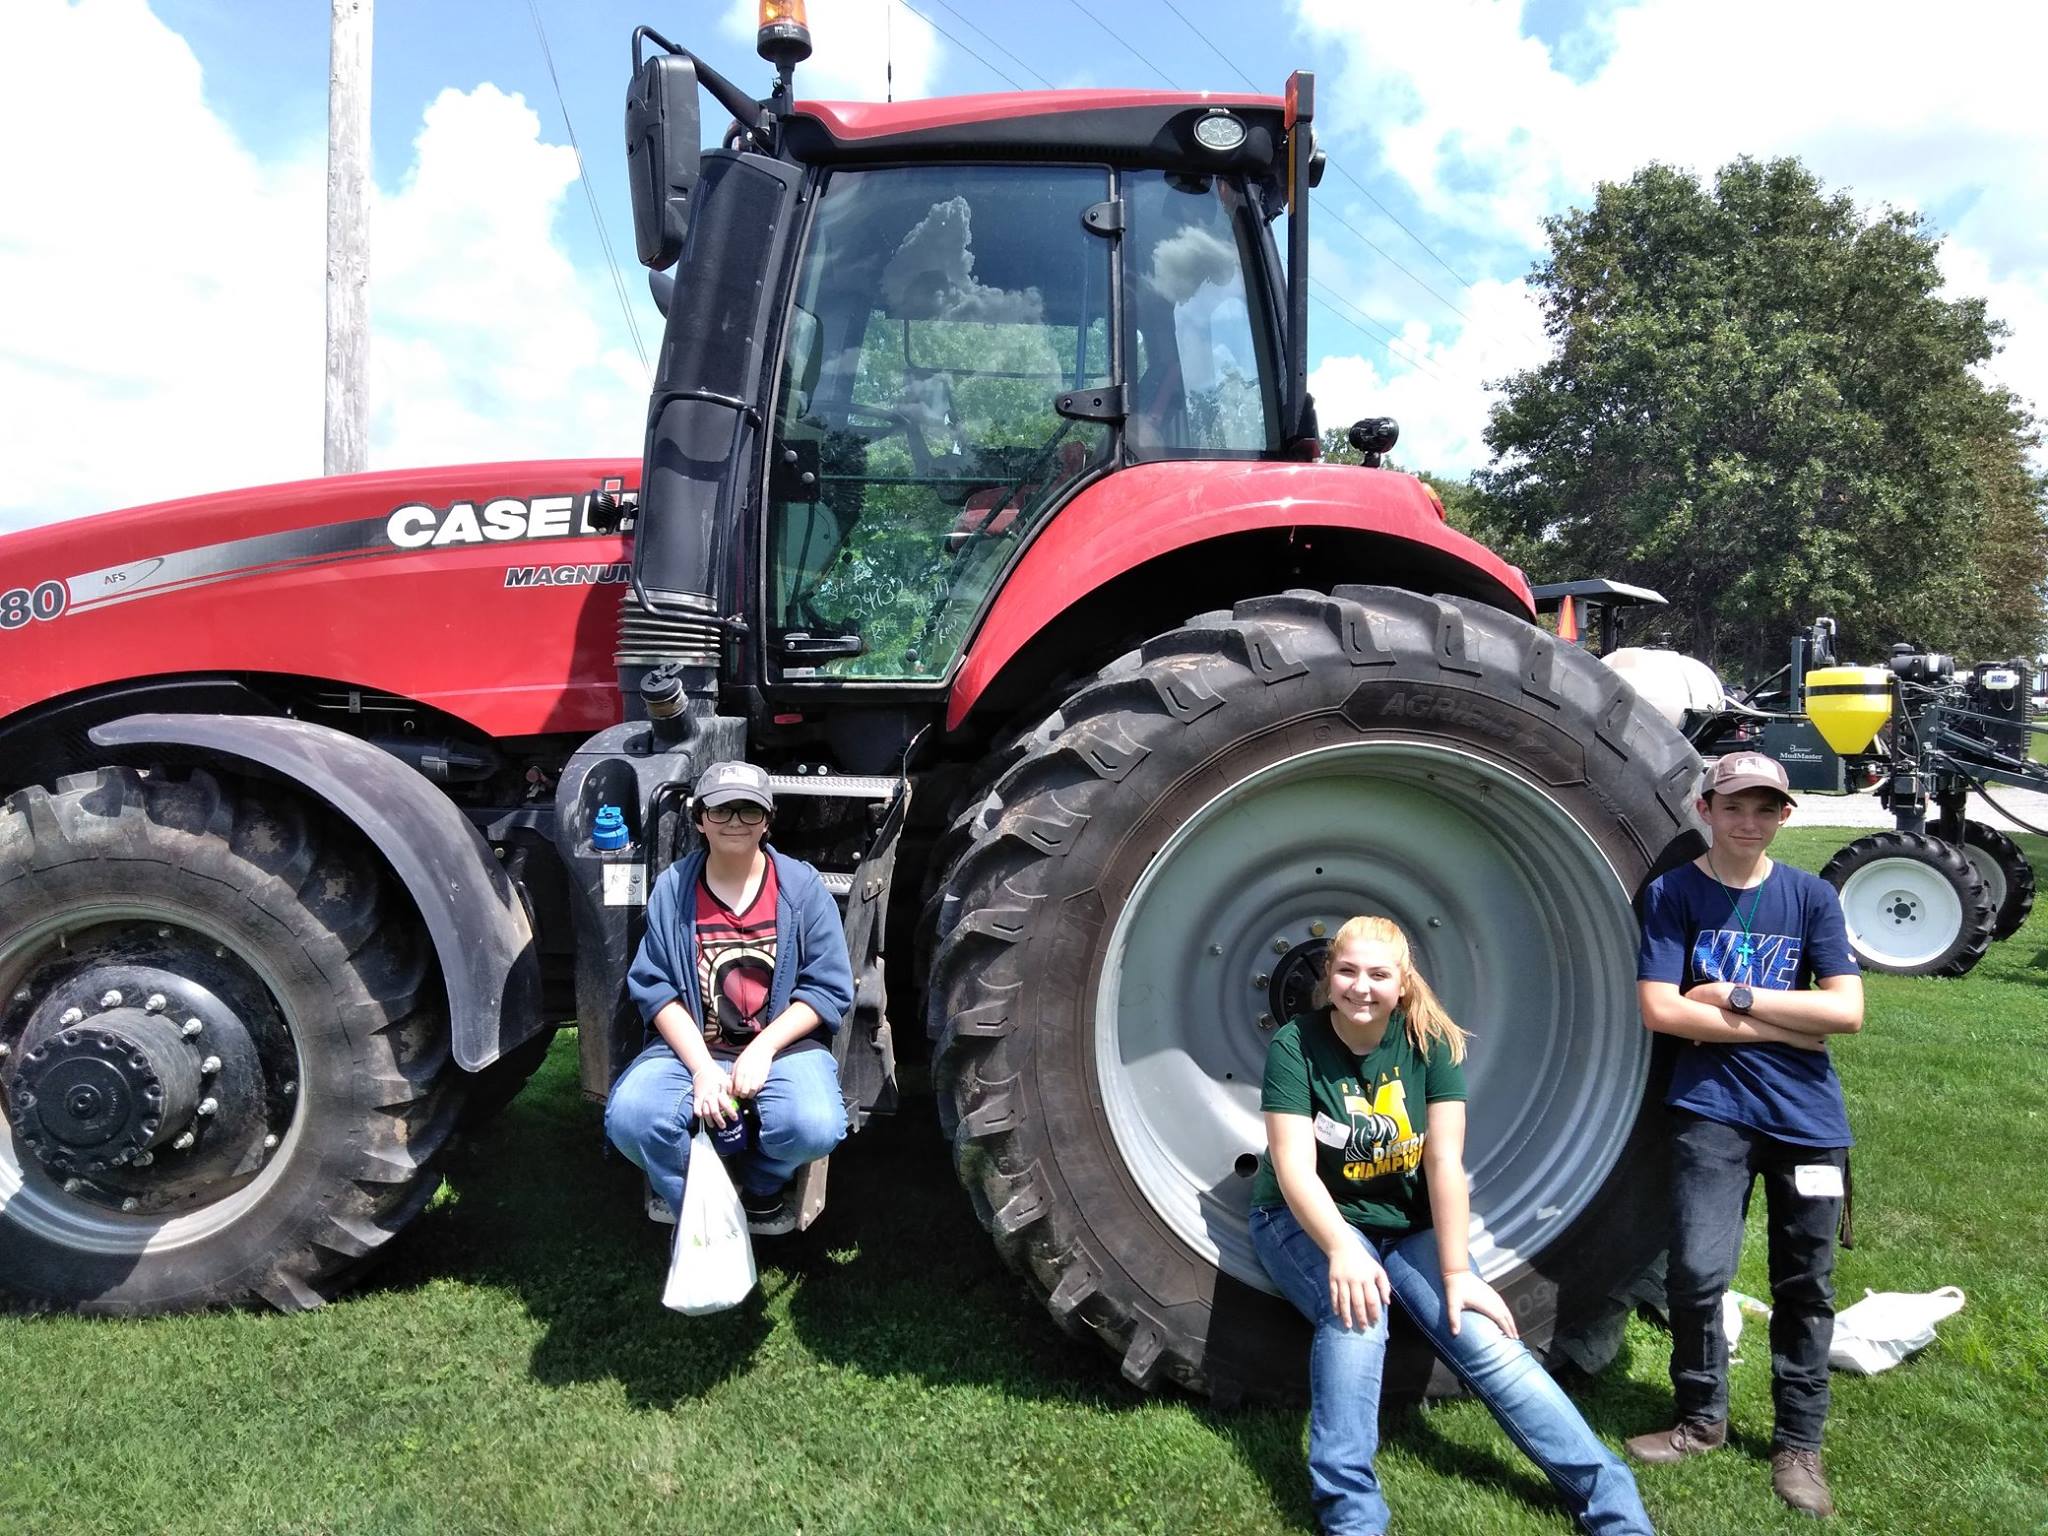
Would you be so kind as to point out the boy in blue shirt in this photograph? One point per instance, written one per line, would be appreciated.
(1748, 963)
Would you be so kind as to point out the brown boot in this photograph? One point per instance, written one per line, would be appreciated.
(1688, 1439)
(1796, 1478)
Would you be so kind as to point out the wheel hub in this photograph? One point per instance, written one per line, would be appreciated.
(132, 1075)
(97, 1095)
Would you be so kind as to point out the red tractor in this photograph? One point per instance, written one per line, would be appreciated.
(980, 504)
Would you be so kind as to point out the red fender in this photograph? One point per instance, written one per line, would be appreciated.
(1138, 514)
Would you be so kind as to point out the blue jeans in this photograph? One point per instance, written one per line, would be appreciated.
(802, 1117)
(1344, 1386)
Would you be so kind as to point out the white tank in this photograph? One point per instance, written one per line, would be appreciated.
(1669, 683)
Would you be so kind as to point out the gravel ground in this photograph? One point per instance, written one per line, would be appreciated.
(1815, 810)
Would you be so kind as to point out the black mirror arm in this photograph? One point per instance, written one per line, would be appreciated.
(748, 112)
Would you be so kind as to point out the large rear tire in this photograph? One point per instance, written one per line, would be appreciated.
(1149, 890)
(1914, 905)
(2007, 874)
(227, 1070)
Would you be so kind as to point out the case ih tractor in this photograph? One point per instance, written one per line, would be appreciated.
(980, 503)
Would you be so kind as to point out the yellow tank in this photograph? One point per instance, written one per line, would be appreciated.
(1849, 705)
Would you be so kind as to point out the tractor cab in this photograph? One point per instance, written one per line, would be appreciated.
(902, 336)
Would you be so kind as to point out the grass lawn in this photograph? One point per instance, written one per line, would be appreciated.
(511, 1369)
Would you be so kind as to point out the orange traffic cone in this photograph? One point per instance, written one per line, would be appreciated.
(1567, 622)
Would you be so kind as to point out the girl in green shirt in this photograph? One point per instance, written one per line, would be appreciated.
(1361, 1202)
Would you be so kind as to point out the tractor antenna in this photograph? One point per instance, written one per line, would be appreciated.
(889, 51)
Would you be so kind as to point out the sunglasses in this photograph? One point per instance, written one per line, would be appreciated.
(744, 812)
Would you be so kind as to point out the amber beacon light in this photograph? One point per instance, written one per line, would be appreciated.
(785, 36)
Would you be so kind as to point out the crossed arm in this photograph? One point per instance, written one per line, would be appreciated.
(1834, 1006)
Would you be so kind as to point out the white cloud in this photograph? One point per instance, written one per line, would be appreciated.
(853, 43)
(1884, 99)
(161, 285)
(1436, 383)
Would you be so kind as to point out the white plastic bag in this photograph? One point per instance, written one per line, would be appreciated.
(1883, 1328)
(712, 1264)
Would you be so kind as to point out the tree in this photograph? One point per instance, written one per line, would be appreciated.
(1760, 404)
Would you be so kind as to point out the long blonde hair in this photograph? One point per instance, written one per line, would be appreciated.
(1428, 1023)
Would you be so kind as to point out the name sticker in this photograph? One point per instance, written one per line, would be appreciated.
(1329, 1132)
(1818, 1181)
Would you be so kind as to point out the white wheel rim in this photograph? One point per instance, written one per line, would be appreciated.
(1901, 912)
(1532, 948)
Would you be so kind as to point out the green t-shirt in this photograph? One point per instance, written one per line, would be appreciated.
(1370, 1117)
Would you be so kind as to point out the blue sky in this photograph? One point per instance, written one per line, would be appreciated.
(160, 247)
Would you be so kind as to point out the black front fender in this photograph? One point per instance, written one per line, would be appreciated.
(474, 917)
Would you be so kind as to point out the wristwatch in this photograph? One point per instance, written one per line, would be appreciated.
(1740, 997)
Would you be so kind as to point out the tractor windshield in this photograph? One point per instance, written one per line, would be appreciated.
(939, 311)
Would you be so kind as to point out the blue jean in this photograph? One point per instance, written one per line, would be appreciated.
(1344, 1386)
(648, 1117)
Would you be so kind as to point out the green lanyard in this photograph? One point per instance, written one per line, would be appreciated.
(1744, 949)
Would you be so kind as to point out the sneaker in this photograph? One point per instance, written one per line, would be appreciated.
(769, 1213)
(1796, 1478)
(1689, 1438)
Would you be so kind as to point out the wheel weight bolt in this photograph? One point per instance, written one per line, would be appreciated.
(22, 994)
(209, 1066)
(143, 1159)
(131, 1204)
(71, 1016)
(154, 1003)
(270, 1143)
(191, 1028)
(73, 1186)
(206, 1107)
(184, 1142)
(110, 998)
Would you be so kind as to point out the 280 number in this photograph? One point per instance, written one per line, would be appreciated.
(18, 605)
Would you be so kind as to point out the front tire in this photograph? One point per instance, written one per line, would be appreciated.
(1914, 905)
(228, 1070)
(1150, 897)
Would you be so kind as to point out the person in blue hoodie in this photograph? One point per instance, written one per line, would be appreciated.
(742, 978)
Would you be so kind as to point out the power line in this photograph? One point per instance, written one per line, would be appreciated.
(1133, 52)
(1464, 282)
(590, 193)
(999, 48)
(949, 37)
(1366, 325)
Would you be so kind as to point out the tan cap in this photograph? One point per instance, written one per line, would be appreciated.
(1749, 770)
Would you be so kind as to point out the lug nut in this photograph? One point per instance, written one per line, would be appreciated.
(1215, 949)
(1317, 929)
(154, 1003)
(163, 933)
(184, 1142)
(1436, 922)
(289, 1089)
(270, 1143)
(70, 1016)
(1265, 1021)
(143, 1159)
(209, 1066)
(1279, 946)
(110, 998)
(73, 1186)
(192, 1027)
(22, 994)
(207, 1107)
(131, 1204)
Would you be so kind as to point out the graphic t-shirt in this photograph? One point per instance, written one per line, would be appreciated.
(1369, 1116)
(1787, 934)
(735, 965)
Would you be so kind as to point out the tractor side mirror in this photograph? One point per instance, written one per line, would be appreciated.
(663, 156)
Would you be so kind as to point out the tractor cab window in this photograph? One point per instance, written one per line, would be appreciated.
(1205, 378)
(939, 312)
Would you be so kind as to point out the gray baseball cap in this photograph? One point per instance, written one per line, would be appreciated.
(723, 783)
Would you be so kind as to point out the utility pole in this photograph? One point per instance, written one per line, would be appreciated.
(348, 239)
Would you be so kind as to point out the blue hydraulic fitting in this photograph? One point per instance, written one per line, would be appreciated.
(609, 830)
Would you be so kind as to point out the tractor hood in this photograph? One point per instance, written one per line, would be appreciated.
(481, 590)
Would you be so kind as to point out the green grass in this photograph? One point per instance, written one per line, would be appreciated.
(511, 1368)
